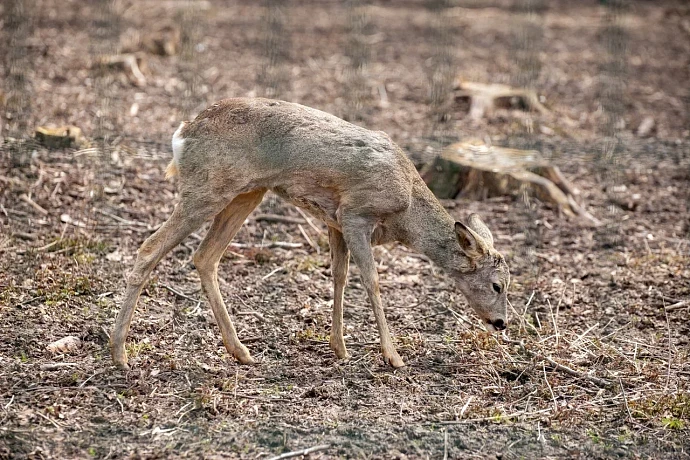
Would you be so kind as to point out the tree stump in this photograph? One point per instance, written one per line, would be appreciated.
(474, 170)
(483, 98)
(61, 137)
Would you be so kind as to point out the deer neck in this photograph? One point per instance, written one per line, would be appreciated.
(427, 227)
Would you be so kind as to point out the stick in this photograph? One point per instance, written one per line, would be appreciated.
(179, 294)
(670, 349)
(489, 419)
(678, 305)
(47, 418)
(252, 313)
(272, 244)
(309, 221)
(299, 453)
(625, 400)
(56, 366)
(273, 272)
(279, 218)
(553, 396)
(26, 199)
(121, 220)
(306, 237)
(464, 408)
(595, 380)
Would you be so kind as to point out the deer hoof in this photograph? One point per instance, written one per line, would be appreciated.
(121, 364)
(242, 355)
(339, 350)
(394, 360)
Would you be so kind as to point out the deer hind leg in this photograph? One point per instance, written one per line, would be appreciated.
(357, 232)
(207, 257)
(183, 221)
(340, 261)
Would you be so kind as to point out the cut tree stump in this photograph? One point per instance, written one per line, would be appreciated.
(61, 137)
(484, 98)
(474, 170)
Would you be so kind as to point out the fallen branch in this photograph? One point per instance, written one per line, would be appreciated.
(559, 367)
(300, 453)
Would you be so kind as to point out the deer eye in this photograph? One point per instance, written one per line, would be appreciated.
(497, 288)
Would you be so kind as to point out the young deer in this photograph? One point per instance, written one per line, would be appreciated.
(357, 181)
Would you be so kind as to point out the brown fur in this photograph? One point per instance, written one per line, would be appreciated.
(357, 181)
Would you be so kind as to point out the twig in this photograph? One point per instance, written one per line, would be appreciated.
(272, 244)
(553, 396)
(309, 221)
(670, 349)
(595, 380)
(279, 218)
(445, 444)
(49, 419)
(179, 294)
(237, 375)
(464, 408)
(582, 336)
(273, 272)
(251, 313)
(300, 453)
(56, 366)
(554, 320)
(47, 246)
(121, 220)
(489, 419)
(122, 408)
(26, 199)
(306, 237)
(677, 305)
(625, 400)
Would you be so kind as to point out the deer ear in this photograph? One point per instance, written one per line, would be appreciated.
(475, 223)
(470, 242)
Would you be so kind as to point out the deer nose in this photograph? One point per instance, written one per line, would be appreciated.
(499, 324)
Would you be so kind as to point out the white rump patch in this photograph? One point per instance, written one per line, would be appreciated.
(177, 144)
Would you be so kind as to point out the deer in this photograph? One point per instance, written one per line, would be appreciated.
(358, 182)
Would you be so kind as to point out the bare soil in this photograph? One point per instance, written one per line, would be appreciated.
(603, 371)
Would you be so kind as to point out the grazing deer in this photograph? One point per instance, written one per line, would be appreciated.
(357, 181)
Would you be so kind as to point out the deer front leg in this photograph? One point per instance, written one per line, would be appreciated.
(180, 224)
(207, 257)
(340, 261)
(357, 233)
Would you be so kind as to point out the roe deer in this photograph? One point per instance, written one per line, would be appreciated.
(357, 181)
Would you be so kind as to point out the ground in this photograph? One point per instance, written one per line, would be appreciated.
(595, 363)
